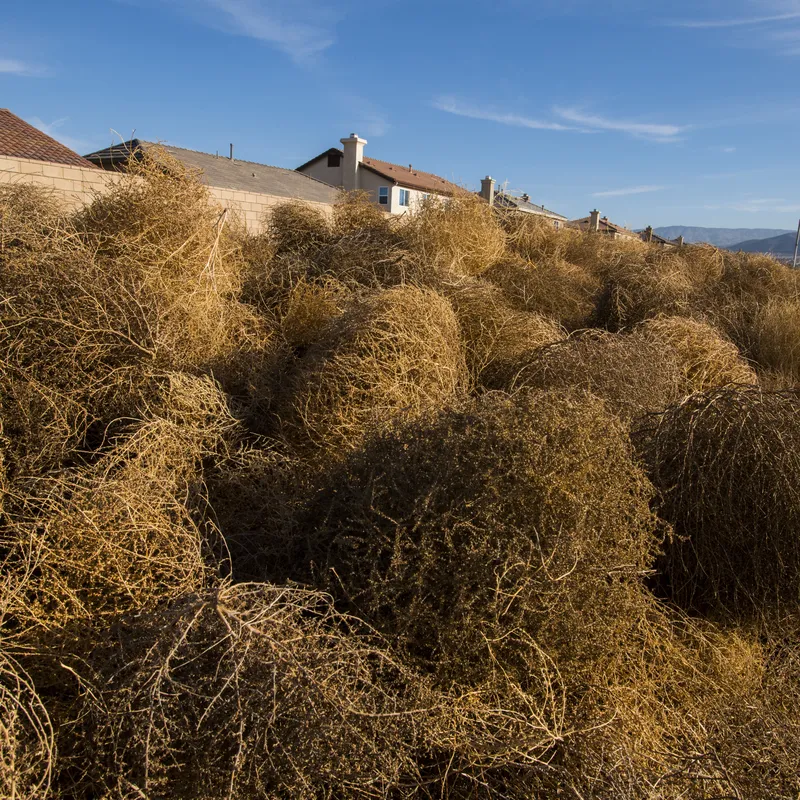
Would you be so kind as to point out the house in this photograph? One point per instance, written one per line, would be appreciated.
(246, 187)
(651, 237)
(28, 155)
(522, 204)
(395, 189)
(594, 223)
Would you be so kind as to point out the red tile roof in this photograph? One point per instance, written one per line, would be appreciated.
(18, 139)
(412, 178)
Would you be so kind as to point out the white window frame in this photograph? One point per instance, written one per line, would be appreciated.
(383, 195)
(405, 194)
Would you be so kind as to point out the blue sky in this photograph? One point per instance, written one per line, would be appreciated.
(682, 113)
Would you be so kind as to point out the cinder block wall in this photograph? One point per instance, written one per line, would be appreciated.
(252, 207)
(78, 185)
(74, 185)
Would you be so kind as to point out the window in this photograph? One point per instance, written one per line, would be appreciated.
(405, 197)
(383, 195)
(557, 224)
(334, 159)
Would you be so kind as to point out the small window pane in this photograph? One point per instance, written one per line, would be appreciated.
(383, 195)
(404, 197)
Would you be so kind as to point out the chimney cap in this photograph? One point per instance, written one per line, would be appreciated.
(353, 137)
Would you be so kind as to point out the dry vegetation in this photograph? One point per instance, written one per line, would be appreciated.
(455, 506)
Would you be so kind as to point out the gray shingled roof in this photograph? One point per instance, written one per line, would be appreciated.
(525, 205)
(243, 176)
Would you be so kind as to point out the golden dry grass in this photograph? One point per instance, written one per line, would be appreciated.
(460, 235)
(27, 741)
(633, 376)
(777, 337)
(726, 463)
(481, 537)
(551, 287)
(494, 333)
(185, 407)
(708, 359)
(396, 352)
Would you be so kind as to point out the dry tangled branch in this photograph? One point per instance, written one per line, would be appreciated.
(250, 691)
(633, 376)
(727, 464)
(27, 746)
(392, 352)
(127, 530)
(708, 359)
(495, 334)
(460, 235)
(551, 287)
(488, 535)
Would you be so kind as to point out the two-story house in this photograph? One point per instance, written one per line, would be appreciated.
(396, 189)
(521, 203)
(594, 223)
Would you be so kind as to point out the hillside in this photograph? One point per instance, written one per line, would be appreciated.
(720, 237)
(779, 245)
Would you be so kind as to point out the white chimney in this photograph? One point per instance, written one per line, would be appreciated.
(353, 156)
(594, 221)
(487, 190)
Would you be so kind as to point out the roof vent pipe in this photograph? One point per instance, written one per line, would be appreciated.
(231, 151)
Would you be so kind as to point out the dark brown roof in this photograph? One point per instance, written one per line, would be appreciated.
(18, 139)
(606, 226)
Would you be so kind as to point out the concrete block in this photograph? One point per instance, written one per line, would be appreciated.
(31, 167)
(52, 171)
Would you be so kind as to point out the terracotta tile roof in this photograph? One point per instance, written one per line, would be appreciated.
(221, 172)
(606, 226)
(412, 178)
(405, 176)
(18, 139)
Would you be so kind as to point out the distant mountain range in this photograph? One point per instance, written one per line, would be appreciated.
(779, 245)
(722, 237)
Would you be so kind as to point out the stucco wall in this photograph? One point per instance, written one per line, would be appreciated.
(78, 185)
(322, 172)
(368, 182)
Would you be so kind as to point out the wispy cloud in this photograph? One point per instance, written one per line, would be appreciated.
(452, 106)
(630, 190)
(735, 22)
(580, 122)
(24, 69)
(769, 205)
(302, 29)
(54, 129)
(777, 31)
(655, 131)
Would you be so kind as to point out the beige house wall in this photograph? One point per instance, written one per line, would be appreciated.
(369, 182)
(75, 186)
(320, 170)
